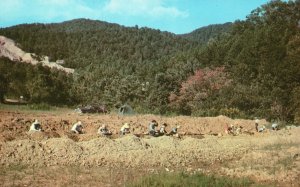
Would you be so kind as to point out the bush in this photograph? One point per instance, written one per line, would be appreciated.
(232, 112)
(297, 117)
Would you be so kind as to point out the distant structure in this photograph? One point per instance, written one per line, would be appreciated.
(126, 110)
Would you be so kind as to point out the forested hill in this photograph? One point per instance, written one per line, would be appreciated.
(111, 61)
(204, 34)
(252, 70)
(81, 42)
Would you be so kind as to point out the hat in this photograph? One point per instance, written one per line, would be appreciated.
(178, 126)
(36, 121)
(103, 126)
(126, 125)
(79, 123)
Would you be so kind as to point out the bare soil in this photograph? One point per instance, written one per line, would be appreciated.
(56, 157)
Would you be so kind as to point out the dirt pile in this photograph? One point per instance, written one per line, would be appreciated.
(15, 125)
(242, 155)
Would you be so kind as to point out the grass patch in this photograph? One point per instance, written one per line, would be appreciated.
(22, 175)
(41, 107)
(183, 179)
(12, 173)
(17, 167)
(286, 162)
(280, 146)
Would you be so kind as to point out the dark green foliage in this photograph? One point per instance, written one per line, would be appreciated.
(84, 42)
(211, 32)
(37, 84)
(3, 86)
(112, 62)
(262, 56)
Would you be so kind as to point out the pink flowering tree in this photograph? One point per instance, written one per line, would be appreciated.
(198, 88)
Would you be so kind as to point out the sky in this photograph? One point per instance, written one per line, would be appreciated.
(177, 16)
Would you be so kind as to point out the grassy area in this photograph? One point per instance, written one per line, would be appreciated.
(280, 146)
(182, 179)
(22, 175)
(25, 175)
(43, 107)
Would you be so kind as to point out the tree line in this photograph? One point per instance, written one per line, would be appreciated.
(248, 68)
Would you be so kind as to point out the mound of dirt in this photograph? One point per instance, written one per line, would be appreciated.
(241, 155)
(15, 125)
(130, 142)
(163, 142)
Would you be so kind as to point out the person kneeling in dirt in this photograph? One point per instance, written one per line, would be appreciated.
(174, 131)
(230, 129)
(275, 127)
(103, 130)
(261, 129)
(152, 125)
(162, 130)
(238, 130)
(77, 128)
(35, 126)
(125, 129)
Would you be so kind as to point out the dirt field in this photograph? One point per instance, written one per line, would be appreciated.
(56, 157)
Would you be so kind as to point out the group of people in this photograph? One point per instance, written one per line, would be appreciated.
(274, 126)
(152, 130)
(162, 130)
(233, 130)
(77, 128)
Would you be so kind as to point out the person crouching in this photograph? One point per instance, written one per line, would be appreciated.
(103, 130)
(152, 125)
(125, 129)
(35, 126)
(77, 128)
(174, 131)
(162, 130)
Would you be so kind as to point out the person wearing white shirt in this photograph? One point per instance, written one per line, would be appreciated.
(35, 126)
(77, 128)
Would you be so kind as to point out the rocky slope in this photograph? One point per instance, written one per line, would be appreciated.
(9, 49)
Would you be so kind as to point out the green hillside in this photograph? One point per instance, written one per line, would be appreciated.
(81, 42)
(248, 68)
(205, 34)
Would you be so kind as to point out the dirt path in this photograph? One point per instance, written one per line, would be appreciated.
(272, 157)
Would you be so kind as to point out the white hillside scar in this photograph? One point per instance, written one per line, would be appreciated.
(9, 50)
